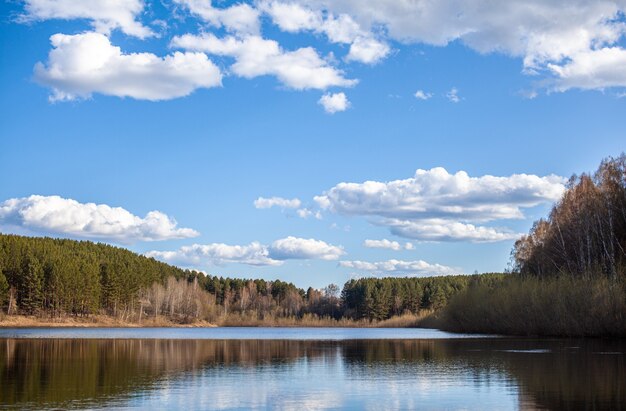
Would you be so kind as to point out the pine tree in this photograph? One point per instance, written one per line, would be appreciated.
(31, 290)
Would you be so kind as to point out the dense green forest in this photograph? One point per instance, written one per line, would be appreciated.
(570, 270)
(58, 278)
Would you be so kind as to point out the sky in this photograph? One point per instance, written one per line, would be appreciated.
(309, 141)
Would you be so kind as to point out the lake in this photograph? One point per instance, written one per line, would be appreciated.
(312, 368)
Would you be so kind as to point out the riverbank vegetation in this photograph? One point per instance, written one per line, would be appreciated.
(570, 270)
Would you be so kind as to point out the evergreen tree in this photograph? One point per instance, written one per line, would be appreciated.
(31, 286)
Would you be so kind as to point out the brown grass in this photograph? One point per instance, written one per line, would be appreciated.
(230, 320)
(93, 321)
(562, 306)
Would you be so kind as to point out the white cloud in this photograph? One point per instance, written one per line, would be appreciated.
(255, 253)
(437, 205)
(435, 193)
(263, 202)
(216, 254)
(570, 43)
(83, 64)
(334, 102)
(240, 18)
(56, 215)
(418, 268)
(453, 95)
(422, 95)
(254, 56)
(105, 15)
(306, 213)
(596, 69)
(387, 244)
(367, 50)
(547, 35)
(304, 249)
(445, 230)
(293, 18)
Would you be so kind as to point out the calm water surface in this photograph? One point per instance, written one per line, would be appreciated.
(274, 368)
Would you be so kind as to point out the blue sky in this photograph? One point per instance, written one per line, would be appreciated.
(239, 116)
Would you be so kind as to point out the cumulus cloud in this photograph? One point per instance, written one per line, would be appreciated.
(437, 205)
(304, 249)
(445, 230)
(417, 268)
(82, 64)
(255, 253)
(436, 193)
(240, 18)
(105, 15)
(333, 103)
(422, 95)
(57, 215)
(570, 44)
(263, 202)
(387, 244)
(596, 69)
(254, 56)
(291, 17)
(546, 35)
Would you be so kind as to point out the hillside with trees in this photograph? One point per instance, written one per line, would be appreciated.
(60, 278)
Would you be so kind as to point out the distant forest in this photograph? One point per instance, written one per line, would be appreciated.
(60, 277)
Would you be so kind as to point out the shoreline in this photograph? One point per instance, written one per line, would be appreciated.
(103, 321)
(22, 321)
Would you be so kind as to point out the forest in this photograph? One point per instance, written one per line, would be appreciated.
(57, 278)
(569, 275)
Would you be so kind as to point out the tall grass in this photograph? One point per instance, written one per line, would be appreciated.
(251, 319)
(561, 306)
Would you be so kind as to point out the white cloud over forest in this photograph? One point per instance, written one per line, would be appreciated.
(255, 253)
(54, 215)
(399, 267)
(435, 205)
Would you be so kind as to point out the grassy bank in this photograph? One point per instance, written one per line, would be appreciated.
(308, 320)
(233, 320)
(92, 321)
(563, 306)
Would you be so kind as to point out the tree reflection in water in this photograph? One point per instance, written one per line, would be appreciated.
(470, 373)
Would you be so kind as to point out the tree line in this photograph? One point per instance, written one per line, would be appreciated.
(585, 232)
(569, 276)
(61, 277)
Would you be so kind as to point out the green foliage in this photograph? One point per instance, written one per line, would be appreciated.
(4, 289)
(382, 298)
(61, 276)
